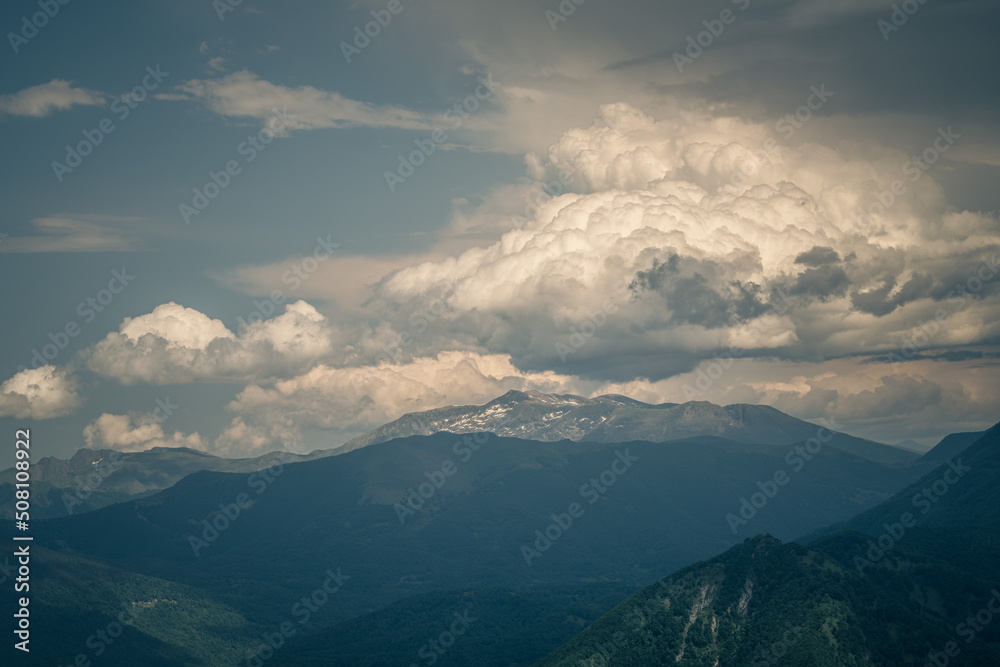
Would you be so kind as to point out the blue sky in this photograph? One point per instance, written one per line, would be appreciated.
(659, 234)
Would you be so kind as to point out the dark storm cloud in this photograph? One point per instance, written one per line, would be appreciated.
(818, 256)
(696, 292)
(880, 300)
(951, 356)
(823, 283)
(936, 64)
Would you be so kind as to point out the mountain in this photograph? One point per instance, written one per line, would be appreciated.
(951, 445)
(96, 478)
(405, 519)
(112, 617)
(506, 626)
(767, 603)
(614, 418)
(961, 493)
(902, 584)
(911, 445)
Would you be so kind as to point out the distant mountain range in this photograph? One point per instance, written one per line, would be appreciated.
(613, 418)
(91, 479)
(96, 478)
(423, 525)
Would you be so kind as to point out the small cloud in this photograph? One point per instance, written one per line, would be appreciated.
(39, 393)
(217, 64)
(82, 233)
(125, 434)
(268, 48)
(203, 48)
(40, 101)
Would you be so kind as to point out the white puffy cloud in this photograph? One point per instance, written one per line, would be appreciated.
(123, 433)
(174, 344)
(40, 101)
(39, 393)
(702, 232)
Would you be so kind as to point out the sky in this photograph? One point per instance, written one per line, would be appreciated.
(248, 226)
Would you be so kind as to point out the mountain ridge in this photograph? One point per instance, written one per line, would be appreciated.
(615, 418)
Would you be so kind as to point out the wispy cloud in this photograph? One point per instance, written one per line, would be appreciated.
(40, 101)
(78, 233)
(217, 64)
(244, 95)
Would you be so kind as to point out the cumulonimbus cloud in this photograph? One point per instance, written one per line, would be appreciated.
(721, 235)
